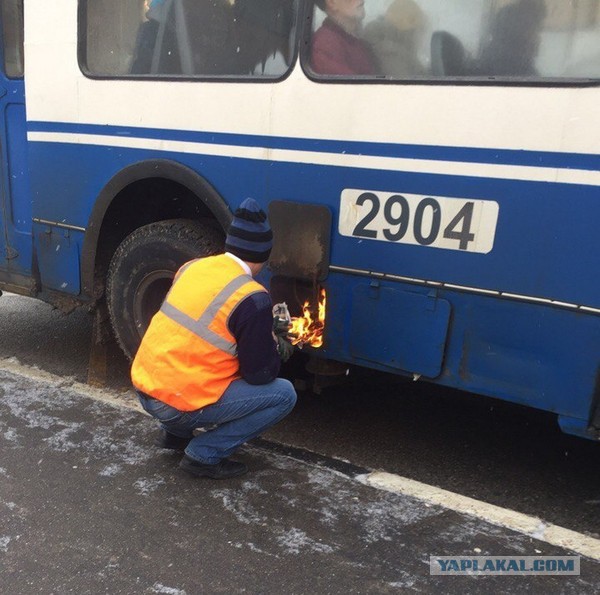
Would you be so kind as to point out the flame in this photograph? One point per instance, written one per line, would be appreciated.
(307, 331)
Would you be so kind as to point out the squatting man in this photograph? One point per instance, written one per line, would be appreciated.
(211, 355)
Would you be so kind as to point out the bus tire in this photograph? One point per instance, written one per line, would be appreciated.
(142, 269)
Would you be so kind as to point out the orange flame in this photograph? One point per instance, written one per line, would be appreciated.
(307, 331)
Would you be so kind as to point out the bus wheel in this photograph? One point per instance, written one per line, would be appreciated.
(142, 269)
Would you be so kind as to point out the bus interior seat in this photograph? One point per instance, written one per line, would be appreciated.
(447, 55)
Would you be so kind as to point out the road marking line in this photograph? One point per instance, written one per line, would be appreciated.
(504, 517)
(127, 399)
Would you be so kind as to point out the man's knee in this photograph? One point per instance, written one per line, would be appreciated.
(287, 393)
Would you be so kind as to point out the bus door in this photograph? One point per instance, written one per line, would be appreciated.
(15, 199)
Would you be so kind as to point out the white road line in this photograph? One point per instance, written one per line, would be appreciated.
(504, 517)
(126, 399)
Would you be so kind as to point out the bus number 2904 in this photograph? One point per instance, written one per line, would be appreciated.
(438, 222)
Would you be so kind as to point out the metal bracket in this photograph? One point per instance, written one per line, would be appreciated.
(374, 289)
(431, 305)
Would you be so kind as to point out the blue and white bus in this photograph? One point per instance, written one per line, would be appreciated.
(433, 165)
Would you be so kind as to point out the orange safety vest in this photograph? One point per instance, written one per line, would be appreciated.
(188, 357)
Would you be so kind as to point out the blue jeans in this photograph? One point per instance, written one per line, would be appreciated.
(242, 413)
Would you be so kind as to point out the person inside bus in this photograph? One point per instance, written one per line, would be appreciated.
(336, 47)
(211, 33)
(514, 40)
(147, 36)
(394, 38)
(264, 28)
(187, 37)
(211, 354)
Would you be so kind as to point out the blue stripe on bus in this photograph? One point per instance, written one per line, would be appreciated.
(580, 161)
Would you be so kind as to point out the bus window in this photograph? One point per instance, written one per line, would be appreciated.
(202, 38)
(110, 35)
(265, 36)
(12, 36)
(437, 39)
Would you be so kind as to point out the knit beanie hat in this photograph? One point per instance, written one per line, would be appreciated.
(250, 237)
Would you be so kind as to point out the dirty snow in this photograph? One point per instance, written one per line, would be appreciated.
(295, 540)
(4, 541)
(111, 470)
(160, 588)
(11, 435)
(28, 404)
(145, 486)
(235, 501)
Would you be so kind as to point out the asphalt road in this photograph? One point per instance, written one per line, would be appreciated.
(88, 506)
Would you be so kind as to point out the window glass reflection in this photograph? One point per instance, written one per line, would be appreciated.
(12, 37)
(413, 39)
(190, 37)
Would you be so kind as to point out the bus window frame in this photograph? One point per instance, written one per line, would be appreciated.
(224, 78)
(474, 81)
(21, 76)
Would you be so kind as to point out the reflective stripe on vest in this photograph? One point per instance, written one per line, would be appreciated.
(200, 327)
(188, 356)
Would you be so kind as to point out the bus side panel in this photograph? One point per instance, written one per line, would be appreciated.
(541, 356)
(402, 330)
(514, 348)
(67, 195)
(537, 355)
(61, 185)
(16, 187)
(533, 354)
(545, 245)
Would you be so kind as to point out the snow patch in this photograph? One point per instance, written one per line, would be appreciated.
(60, 441)
(256, 549)
(406, 581)
(111, 470)
(160, 588)
(295, 540)
(381, 518)
(470, 530)
(124, 451)
(236, 502)
(4, 541)
(320, 477)
(146, 486)
(11, 435)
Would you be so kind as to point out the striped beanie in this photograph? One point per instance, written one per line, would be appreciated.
(250, 237)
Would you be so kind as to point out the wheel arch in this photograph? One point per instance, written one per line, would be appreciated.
(142, 269)
(165, 189)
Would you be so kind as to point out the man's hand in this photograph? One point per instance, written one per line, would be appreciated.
(280, 327)
(284, 348)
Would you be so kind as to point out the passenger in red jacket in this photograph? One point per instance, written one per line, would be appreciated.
(336, 47)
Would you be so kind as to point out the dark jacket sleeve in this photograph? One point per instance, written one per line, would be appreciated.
(327, 54)
(333, 51)
(251, 323)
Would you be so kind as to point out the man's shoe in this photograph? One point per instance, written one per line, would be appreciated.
(167, 440)
(222, 470)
